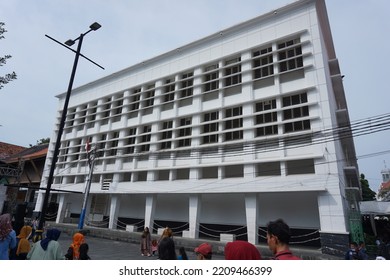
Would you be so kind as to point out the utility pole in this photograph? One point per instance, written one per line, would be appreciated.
(91, 154)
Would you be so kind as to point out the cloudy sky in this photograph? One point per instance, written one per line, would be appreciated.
(133, 31)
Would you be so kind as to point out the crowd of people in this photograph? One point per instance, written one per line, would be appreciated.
(26, 246)
(278, 238)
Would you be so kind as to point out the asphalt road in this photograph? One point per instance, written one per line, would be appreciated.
(105, 249)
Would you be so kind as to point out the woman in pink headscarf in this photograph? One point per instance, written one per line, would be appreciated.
(7, 236)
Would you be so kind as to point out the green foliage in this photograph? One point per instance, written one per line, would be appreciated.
(41, 141)
(367, 193)
(3, 60)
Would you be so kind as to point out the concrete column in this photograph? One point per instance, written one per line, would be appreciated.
(251, 217)
(150, 206)
(114, 211)
(39, 203)
(194, 214)
(61, 208)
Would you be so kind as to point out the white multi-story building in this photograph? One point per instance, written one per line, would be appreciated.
(244, 126)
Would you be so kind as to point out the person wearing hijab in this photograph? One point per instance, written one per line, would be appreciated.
(74, 248)
(48, 248)
(23, 244)
(241, 250)
(7, 236)
(146, 241)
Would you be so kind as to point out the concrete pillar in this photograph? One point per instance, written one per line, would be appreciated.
(114, 211)
(39, 203)
(61, 208)
(150, 206)
(194, 214)
(251, 217)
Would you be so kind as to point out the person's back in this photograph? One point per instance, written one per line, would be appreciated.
(52, 252)
(47, 248)
(285, 255)
(84, 248)
(7, 236)
(166, 249)
(73, 252)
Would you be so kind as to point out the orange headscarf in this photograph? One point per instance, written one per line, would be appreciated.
(78, 239)
(24, 244)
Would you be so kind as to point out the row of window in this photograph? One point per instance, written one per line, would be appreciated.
(178, 133)
(180, 87)
(293, 167)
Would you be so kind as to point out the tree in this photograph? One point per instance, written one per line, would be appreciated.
(42, 141)
(367, 193)
(3, 60)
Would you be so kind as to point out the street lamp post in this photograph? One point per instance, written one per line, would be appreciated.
(93, 27)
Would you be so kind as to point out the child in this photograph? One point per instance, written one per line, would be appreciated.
(182, 254)
(154, 246)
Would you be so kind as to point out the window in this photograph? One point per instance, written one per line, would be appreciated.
(169, 90)
(163, 175)
(304, 166)
(183, 174)
(142, 176)
(297, 126)
(134, 105)
(211, 129)
(148, 99)
(209, 172)
(294, 99)
(264, 118)
(166, 134)
(106, 109)
(233, 72)
(184, 132)
(233, 123)
(113, 144)
(131, 140)
(145, 138)
(91, 115)
(290, 55)
(117, 110)
(186, 85)
(295, 112)
(211, 78)
(262, 63)
(102, 142)
(234, 171)
(268, 169)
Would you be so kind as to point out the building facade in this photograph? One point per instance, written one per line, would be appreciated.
(219, 136)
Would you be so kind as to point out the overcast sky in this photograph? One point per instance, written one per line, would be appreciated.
(133, 31)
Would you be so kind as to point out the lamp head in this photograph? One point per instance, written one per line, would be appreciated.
(69, 42)
(95, 26)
